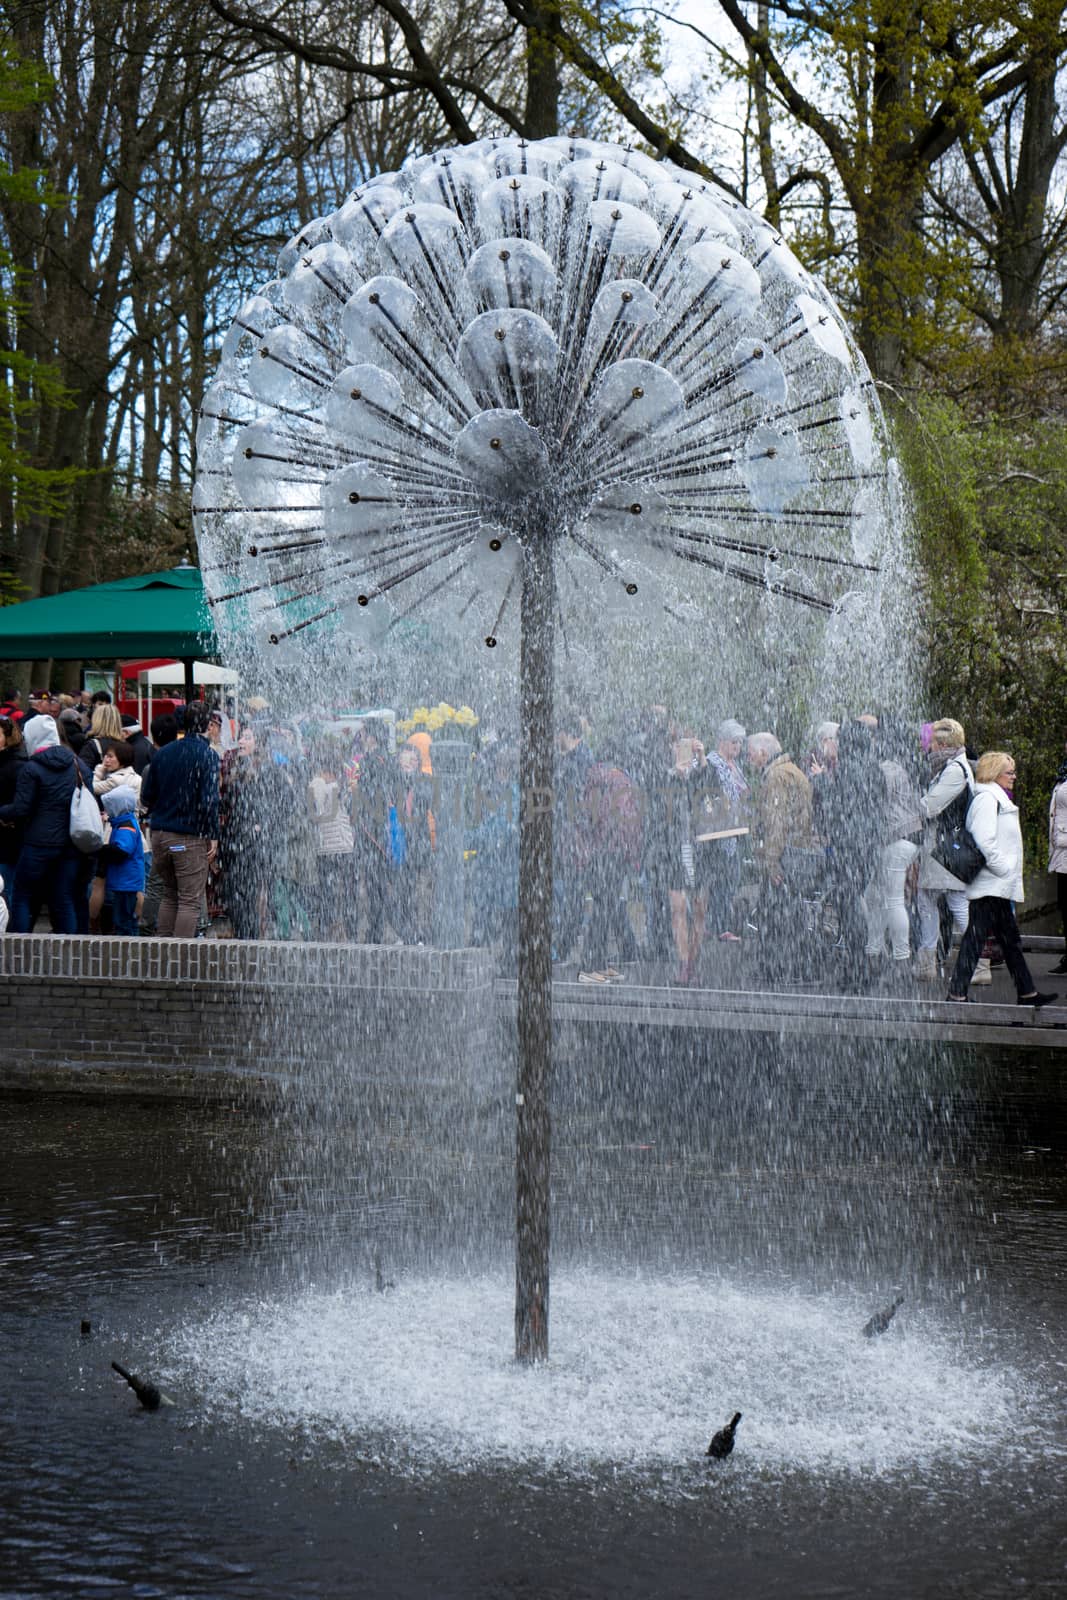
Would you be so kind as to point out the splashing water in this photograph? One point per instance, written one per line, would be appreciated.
(563, 342)
(565, 346)
(642, 1373)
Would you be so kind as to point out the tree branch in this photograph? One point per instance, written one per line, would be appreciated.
(425, 74)
(546, 25)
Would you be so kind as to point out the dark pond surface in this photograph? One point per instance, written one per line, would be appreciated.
(160, 1223)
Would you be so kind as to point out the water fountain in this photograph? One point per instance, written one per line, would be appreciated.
(529, 389)
(559, 400)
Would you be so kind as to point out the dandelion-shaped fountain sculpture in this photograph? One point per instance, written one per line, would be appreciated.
(516, 384)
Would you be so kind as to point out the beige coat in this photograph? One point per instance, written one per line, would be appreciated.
(783, 812)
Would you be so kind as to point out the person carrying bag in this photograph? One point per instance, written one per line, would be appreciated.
(993, 819)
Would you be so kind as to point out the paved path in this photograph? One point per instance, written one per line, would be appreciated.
(727, 999)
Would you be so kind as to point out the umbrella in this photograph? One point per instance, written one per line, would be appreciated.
(155, 614)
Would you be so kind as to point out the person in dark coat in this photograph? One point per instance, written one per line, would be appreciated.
(12, 755)
(70, 724)
(135, 737)
(48, 863)
(180, 792)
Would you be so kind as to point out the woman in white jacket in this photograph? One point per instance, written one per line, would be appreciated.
(993, 821)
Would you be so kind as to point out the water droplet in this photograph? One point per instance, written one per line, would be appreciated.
(491, 642)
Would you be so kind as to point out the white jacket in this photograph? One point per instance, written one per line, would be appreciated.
(1057, 830)
(993, 819)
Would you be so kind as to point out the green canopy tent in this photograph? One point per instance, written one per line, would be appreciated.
(156, 614)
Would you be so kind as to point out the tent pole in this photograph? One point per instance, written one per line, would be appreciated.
(190, 686)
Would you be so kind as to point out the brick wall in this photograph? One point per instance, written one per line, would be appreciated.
(178, 1016)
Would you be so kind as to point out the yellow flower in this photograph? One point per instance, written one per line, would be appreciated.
(466, 717)
(434, 720)
(419, 714)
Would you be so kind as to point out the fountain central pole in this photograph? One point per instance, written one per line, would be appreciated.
(533, 1090)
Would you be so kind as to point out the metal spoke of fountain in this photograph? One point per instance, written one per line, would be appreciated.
(516, 362)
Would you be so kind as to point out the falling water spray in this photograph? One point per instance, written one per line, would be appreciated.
(534, 392)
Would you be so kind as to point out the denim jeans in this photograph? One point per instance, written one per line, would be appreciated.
(124, 912)
(46, 876)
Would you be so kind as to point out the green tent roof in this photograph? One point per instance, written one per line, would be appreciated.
(157, 614)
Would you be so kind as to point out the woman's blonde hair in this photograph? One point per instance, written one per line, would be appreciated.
(947, 734)
(991, 765)
(106, 723)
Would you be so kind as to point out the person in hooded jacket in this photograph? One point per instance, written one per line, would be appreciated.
(123, 859)
(48, 864)
(13, 753)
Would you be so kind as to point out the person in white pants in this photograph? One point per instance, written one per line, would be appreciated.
(884, 902)
(952, 777)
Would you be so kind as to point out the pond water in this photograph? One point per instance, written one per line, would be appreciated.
(329, 1439)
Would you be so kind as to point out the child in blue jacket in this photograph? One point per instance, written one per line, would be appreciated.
(123, 857)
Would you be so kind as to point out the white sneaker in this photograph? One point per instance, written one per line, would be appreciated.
(983, 972)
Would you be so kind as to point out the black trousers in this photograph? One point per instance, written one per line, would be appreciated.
(1061, 901)
(991, 915)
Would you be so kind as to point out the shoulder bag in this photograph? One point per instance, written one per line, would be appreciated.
(954, 845)
(86, 823)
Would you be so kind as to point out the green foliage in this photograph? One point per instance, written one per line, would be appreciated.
(11, 590)
(27, 486)
(990, 503)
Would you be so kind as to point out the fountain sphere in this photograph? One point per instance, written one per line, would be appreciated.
(510, 343)
(534, 381)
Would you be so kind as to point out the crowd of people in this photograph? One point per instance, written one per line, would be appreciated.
(884, 848)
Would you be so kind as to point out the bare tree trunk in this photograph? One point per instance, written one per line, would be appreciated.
(541, 114)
